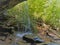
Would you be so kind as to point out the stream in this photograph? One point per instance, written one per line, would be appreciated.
(19, 41)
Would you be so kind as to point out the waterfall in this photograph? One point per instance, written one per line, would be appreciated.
(25, 19)
(28, 25)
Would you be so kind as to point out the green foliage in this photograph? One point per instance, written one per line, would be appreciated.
(20, 12)
(29, 11)
(48, 10)
(22, 15)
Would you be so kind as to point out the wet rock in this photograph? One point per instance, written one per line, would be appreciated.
(38, 40)
(32, 40)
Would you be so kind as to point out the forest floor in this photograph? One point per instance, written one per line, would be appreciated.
(45, 32)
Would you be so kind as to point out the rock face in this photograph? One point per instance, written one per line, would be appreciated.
(6, 4)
